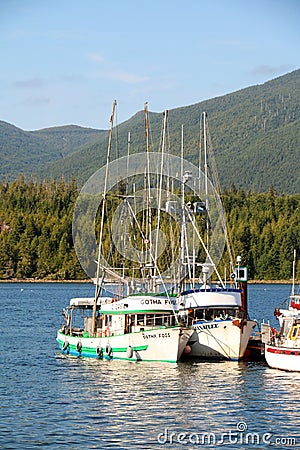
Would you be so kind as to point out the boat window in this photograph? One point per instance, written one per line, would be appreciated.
(199, 314)
(209, 314)
(140, 318)
(150, 320)
(213, 313)
(159, 320)
(295, 333)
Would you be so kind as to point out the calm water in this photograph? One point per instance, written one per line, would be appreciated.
(52, 401)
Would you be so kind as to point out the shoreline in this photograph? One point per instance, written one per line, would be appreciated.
(45, 280)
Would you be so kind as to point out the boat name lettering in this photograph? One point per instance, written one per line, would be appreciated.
(118, 306)
(164, 335)
(207, 326)
(151, 301)
(149, 336)
(156, 335)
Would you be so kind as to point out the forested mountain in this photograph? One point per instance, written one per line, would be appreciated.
(36, 231)
(255, 134)
(31, 152)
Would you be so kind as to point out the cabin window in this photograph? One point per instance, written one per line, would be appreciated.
(159, 320)
(150, 320)
(295, 333)
(199, 314)
(140, 318)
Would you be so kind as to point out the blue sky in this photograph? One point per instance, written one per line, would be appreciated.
(65, 61)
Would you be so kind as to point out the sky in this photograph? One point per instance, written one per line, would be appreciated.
(65, 61)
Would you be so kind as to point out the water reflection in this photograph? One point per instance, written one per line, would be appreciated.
(50, 400)
(139, 401)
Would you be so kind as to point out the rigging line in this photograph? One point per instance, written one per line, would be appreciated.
(104, 270)
(206, 178)
(116, 134)
(145, 219)
(187, 254)
(216, 183)
(102, 217)
(127, 162)
(106, 180)
(151, 144)
(173, 248)
(192, 219)
(168, 163)
(148, 205)
(200, 154)
(180, 268)
(219, 342)
(154, 262)
(160, 184)
(133, 232)
(294, 273)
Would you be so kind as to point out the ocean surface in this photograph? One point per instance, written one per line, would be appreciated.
(56, 402)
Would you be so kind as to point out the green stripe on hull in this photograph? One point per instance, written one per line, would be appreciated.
(93, 350)
(92, 354)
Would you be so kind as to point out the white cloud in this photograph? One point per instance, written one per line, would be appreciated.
(30, 83)
(36, 101)
(126, 77)
(271, 70)
(95, 57)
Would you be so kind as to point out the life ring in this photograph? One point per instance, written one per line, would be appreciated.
(106, 331)
(129, 352)
(108, 350)
(79, 346)
(99, 351)
(65, 346)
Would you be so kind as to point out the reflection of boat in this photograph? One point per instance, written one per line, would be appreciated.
(282, 348)
(140, 327)
(217, 311)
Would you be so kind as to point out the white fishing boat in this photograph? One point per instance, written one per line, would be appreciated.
(219, 318)
(282, 347)
(137, 327)
(217, 310)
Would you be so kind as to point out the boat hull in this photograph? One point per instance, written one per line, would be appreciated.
(164, 345)
(226, 339)
(283, 358)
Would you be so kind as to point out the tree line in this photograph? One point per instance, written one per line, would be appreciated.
(36, 231)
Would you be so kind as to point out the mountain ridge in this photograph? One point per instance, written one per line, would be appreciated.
(255, 134)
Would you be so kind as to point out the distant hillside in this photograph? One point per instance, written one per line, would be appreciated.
(255, 133)
(30, 152)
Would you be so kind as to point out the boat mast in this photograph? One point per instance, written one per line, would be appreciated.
(160, 187)
(294, 273)
(181, 265)
(148, 188)
(127, 163)
(206, 179)
(98, 287)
